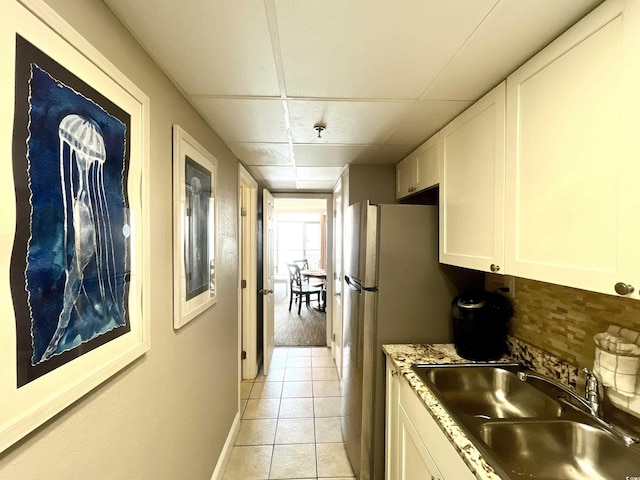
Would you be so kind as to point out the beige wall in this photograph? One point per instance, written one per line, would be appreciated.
(167, 415)
(375, 183)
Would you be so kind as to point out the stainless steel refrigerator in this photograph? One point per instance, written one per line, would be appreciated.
(396, 292)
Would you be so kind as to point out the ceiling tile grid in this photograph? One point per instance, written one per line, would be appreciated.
(381, 76)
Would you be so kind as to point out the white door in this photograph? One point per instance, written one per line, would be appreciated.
(248, 198)
(338, 274)
(268, 278)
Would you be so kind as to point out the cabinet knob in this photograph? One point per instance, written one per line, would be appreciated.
(494, 267)
(623, 288)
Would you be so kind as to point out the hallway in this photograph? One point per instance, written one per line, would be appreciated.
(290, 427)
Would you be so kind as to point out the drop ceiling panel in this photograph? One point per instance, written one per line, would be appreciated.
(279, 185)
(347, 122)
(385, 154)
(371, 48)
(319, 173)
(274, 172)
(425, 119)
(245, 120)
(213, 47)
(330, 155)
(321, 186)
(262, 153)
(509, 36)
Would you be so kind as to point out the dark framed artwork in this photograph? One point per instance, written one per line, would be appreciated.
(78, 143)
(194, 188)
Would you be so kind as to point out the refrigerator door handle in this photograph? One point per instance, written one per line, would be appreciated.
(357, 286)
(353, 284)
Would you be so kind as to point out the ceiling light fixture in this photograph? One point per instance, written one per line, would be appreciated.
(319, 127)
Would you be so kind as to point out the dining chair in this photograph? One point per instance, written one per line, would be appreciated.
(299, 290)
(304, 265)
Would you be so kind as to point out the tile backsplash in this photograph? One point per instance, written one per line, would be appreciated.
(563, 320)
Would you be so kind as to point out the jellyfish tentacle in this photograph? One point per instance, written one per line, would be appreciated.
(87, 225)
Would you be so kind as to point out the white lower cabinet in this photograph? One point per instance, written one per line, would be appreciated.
(416, 448)
(414, 461)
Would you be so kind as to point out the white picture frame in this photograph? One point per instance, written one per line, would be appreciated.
(74, 371)
(194, 228)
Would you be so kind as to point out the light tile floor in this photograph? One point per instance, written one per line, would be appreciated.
(290, 427)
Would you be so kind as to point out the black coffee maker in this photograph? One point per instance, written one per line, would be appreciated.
(480, 321)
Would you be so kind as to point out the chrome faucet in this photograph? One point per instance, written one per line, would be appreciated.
(592, 392)
(523, 376)
(591, 402)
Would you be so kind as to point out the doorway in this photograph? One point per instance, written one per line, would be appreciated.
(301, 233)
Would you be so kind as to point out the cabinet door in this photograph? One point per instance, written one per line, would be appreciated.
(571, 156)
(406, 176)
(449, 465)
(472, 185)
(427, 164)
(414, 461)
(391, 423)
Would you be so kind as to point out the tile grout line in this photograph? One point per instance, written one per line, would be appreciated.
(280, 397)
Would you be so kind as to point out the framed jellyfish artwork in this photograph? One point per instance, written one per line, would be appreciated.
(194, 211)
(75, 235)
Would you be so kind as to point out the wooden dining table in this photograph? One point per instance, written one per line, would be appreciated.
(320, 275)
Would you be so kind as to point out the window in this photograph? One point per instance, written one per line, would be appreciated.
(298, 236)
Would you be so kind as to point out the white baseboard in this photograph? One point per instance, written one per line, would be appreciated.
(226, 450)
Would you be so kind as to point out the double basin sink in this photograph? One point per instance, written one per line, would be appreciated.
(526, 428)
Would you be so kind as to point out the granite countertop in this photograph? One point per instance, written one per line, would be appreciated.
(403, 357)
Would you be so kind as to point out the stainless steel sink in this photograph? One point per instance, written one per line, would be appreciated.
(559, 450)
(529, 430)
(488, 392)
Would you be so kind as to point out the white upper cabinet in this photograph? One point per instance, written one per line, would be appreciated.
(471, 193)
(572, 212)
(419, 170)
(406, 176)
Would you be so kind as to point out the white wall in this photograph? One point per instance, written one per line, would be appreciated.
(167, 415)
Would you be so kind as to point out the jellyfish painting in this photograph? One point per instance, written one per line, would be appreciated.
(197, 195)
(71, 255)
(87, 233)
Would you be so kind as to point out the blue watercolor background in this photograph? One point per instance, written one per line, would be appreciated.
(50, 102)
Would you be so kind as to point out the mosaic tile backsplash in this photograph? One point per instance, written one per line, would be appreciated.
(563, 320)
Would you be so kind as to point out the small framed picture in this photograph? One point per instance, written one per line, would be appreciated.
(194, 228)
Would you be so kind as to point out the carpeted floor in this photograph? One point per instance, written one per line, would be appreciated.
(307, 329)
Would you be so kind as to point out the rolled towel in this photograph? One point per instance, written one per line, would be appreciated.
(625, 332)
(613, 343)
(617, 360)
(619, 372)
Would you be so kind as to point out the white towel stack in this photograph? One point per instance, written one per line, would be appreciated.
(617, 362)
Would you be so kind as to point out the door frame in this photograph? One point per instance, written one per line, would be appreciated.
(248, 271)
(338, 264)
(328, 197)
